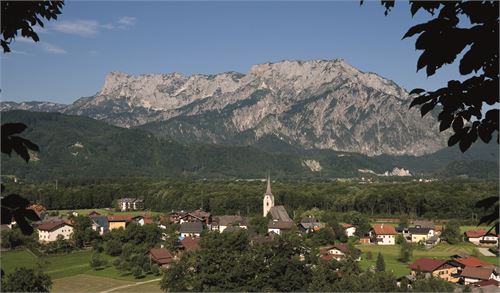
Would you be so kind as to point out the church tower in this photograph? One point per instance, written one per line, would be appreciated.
(268, 202)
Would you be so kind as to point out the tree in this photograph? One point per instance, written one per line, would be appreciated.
(23, 16)
(380, 264)
(403, 222)
(26, 280)
(137, 272)
(113, 248)
(423, 284)
(155, 269)
(451, 232)
(83, 232)
(405, 252)
(469, 29)
(96, 261)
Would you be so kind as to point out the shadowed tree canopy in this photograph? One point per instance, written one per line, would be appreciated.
(23, 16)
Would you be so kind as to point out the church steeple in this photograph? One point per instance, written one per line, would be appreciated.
(268, 201)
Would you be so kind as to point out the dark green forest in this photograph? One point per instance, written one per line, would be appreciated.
(439, 199)
(79, 147)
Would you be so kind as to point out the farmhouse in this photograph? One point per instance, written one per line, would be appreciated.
(438, 268)
(220, 223)
(349, 229)
(143, 220)
(191, 229)
(384, 234)
(100, 224)
(337, 252)
(475, 274)
(49, 230)
(481, 237)
(130, 204)
(190, 244)
(161, 256)
(119, 221)
(310, 224)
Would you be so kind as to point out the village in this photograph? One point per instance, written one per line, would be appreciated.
(184, 230)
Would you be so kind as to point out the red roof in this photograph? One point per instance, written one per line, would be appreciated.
(471, 261)
(477, 233)
(427, 264)
(190, 243)
(384, 229)
(345, 226)
(120, 218)
(37, 208)
(329, 257)
(477, 273)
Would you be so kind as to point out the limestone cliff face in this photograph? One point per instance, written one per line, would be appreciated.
(318, 104)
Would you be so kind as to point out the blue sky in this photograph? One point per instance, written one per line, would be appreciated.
(91, 39)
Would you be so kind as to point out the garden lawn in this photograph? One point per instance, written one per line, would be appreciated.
(391, 255)
(86, 283)
(467, 228)
(9, 260)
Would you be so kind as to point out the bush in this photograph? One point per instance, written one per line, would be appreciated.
(369, 255)
(137, 272)
(113, 248)
(155, 270)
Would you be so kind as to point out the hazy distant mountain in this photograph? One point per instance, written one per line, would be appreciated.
(33, 106)
(311, 105)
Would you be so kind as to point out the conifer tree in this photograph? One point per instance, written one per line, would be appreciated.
(380, 265)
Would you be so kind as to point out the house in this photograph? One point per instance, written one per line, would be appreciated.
(365, 240)
(349, 229)
(384, 234)
(191, 229)
(190, 244)
(438, 268)
(469, 261)
(220, 223)
(143, 220)
(420, 234)
(280, 221)
(481, 237)
(472, 274)
(424, 224)
(189, 217)
(337, 252)
(38, 209)
(119, 221)
(100, 224)
(310, 224)
(205, 217)
(49, 230)
(130, 204)
(161, 256)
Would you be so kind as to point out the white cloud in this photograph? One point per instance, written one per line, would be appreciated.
(53, 49)
(24, 40)
(84, 28)
(127, 20)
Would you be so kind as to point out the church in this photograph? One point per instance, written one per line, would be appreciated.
(280, 221)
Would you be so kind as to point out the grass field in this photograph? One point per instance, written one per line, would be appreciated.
(85, 212)
(391, 255)
(467, 228)
(89, 283)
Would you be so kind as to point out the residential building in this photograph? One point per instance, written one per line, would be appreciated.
(438, 268)
(119, 221)
(384, 234)
(481, 237)
(337, 252)
(143, 220)
(190, 244)
(280, 220)
(220, 223)
(349, 229)
(420, 234)
(100, 224)
(310, 224)
(424, 224)
(130, 204)
(472, 274)
(49, 230)
(161, 256)
(191, 229)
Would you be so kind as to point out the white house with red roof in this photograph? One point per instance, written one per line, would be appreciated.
(481, 237)
(384, 234)
(49, 230)
(349, 229)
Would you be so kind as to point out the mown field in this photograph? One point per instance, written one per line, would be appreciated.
(72, 272)
(391, 255)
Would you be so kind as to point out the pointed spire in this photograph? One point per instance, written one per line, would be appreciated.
(268, 190)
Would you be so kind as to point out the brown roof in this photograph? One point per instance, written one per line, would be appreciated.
(477, 273)
(94, 213)
(483, 283)
(345, 226)
(38, 208)
(52, 225)
(471, 261)
(228, 220)
(161, 255)
(190, 244)
(427, 264)
(384, 229)
(282, 225)
(120, 218)
(477, 233)
(200, 214)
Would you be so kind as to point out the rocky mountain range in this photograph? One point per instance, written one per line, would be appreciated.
(311, 105)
